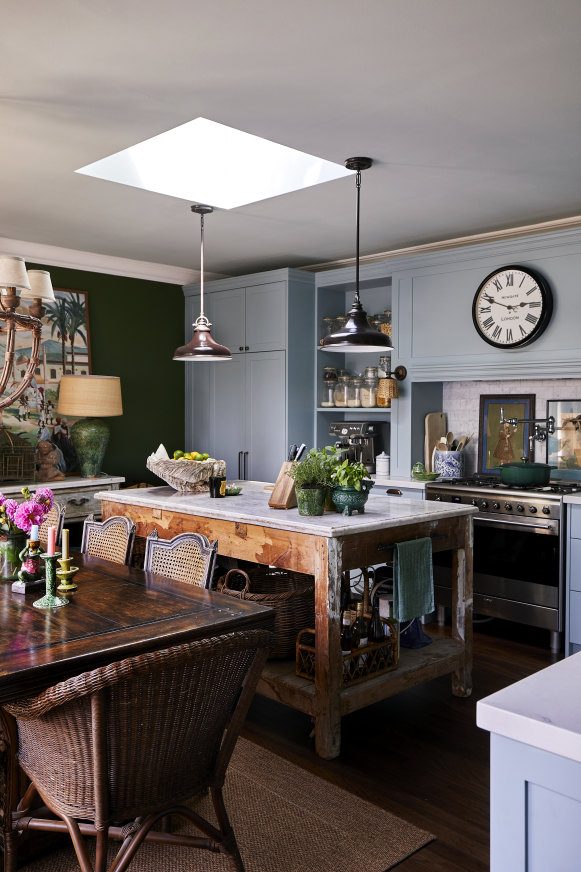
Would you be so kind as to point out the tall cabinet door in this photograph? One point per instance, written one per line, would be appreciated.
(227, 407)
(227, 312)
(266, 429)
(266, 316)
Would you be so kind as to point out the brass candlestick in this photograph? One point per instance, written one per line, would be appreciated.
(50, 600)
(65, 575)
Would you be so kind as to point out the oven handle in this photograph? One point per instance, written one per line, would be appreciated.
(550, 527)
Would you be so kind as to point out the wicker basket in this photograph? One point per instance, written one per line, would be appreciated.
(374, 659)
(290, 594)
(187, 476)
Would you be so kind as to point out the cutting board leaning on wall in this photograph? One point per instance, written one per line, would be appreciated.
(436, 427)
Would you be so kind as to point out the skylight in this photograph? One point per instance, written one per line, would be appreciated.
(206, 162)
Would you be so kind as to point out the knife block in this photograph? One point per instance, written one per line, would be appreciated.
(283, 494)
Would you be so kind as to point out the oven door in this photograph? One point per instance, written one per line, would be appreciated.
(517, 571)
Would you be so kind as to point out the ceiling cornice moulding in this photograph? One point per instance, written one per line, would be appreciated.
(459, 242)
(88, 261)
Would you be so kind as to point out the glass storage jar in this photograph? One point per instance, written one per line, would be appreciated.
(327, 326)
(330, 373)
(370, 372)
(328, 393)
(385, 325)
(369, 392)
(340, 392)
(354, 393)
(384, 368)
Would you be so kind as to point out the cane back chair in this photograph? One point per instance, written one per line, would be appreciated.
(54, 518)
(111, 539)
(113, 751)
(187, 557)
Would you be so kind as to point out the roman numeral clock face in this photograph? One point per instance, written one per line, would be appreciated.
(512, 307)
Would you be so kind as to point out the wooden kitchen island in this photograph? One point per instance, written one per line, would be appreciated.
(247, 528)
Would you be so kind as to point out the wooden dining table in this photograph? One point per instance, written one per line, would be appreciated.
(116, 612)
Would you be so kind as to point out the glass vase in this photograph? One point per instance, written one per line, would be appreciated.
(11, 544)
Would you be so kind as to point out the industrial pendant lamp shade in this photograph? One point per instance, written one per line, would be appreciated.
(201, 346)
(356, 335)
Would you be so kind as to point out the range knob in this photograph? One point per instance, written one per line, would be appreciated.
(483, 504)
(474, 501)
(546, 510)
(533, 510)
(438, 499)
(508, 507)
(495, 505)
(520, 508)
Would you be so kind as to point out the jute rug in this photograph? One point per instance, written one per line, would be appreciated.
(285, 820)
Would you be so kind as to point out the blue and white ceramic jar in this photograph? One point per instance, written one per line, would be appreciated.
(450, 464)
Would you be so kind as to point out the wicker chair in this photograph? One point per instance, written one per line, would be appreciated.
(123, 746)
(54, 518)
(187, 557)
(111, 539)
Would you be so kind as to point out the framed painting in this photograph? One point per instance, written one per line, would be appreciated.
(65, 349)
(564, 445)
(498, 442)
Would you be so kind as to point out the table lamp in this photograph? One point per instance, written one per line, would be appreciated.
(97, 397)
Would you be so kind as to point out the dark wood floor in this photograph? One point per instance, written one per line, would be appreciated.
(420, 754)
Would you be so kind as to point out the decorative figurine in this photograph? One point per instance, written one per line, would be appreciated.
(31, 572)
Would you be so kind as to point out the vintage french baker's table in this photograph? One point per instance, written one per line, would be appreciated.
(247, 528)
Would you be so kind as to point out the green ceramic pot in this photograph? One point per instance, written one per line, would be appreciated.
(90, 437)
(348, 500)
(311, 500)
(10, 547)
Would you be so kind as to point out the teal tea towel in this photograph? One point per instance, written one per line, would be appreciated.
(413, 581)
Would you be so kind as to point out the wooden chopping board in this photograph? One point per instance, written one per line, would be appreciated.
(435, 428)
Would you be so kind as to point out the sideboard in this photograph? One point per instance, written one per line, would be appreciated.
(76, 493)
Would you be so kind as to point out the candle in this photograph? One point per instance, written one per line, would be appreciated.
(34, 533)
(51, 536)
(65, 545)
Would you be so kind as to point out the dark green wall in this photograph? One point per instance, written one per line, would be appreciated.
(135, 326)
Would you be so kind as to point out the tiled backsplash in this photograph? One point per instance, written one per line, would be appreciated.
(461, 402)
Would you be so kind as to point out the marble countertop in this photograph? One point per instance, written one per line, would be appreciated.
(76, 481)
(543, 710)
(251, 507)
(398, 481)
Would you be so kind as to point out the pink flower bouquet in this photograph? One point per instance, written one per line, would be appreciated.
(18, 517)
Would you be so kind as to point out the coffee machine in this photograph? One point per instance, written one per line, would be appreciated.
(356, 439)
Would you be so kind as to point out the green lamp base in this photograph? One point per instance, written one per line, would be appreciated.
(90, 437)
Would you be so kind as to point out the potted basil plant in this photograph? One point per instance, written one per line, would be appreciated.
(311, 476)
(351, 486)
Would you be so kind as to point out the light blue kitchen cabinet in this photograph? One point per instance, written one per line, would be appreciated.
(573, 578)
(248, 410)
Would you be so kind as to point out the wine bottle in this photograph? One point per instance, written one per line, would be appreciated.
(360, 627)
(376, 633)
(346, 634)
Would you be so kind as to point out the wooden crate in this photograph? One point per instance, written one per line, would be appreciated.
(361, 665)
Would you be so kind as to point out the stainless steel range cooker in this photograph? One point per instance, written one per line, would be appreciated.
(518, 550)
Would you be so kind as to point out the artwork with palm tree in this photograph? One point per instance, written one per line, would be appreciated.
(65, 349)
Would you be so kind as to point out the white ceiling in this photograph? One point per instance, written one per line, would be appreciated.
(470, 110)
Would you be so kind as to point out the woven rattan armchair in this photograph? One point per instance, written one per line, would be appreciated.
(111, 539)
(54, 518)
(187, 557)
(113, 751)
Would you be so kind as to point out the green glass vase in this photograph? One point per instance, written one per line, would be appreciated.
(11, 544)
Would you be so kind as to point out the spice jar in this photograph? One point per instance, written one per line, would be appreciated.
(340, 391)
(354, 393)
(369, 392)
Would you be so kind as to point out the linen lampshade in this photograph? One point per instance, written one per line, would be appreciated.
(40, 286)
(96, 396)
(13, 272)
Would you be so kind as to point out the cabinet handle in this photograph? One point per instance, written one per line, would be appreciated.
(80, 502)
(241, 348)
(240, 466)
(245, 458)
(246, 348)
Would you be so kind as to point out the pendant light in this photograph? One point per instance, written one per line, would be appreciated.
(357, 335)
(201, 346)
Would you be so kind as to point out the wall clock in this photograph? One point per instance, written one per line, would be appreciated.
(512, 307)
